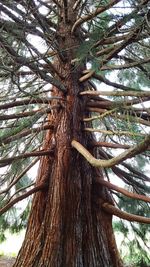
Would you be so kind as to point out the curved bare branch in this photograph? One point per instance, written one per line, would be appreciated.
(131, 152)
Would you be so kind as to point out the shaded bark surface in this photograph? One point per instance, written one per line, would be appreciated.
(67, 227)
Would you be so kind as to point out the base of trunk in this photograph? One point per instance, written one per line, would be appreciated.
(67, 228)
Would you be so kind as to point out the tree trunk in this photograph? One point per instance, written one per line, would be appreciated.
(67, 226)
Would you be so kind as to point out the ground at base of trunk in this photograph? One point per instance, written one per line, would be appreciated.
(7, 261)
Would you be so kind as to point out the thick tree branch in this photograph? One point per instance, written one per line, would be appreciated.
(117, 93)
(6, 161)
(76, 4)
(126, 66)
(130, 178)
(135, 172)
(115, 28)
(136, 118)
(118, 48)
(100, 117)
(24, 114)
(45, 24)
(23, 196)
(30, 101)
(131, 152)
(123, 191)
(110, 145)
(110, 132)
(21, 26)
(25, 133)
(23, 61)
(14, 181)
(124, 215)
(107, 104)
(93, 14)
(106, 81)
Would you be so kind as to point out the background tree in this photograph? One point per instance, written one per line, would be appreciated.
(55, 58)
